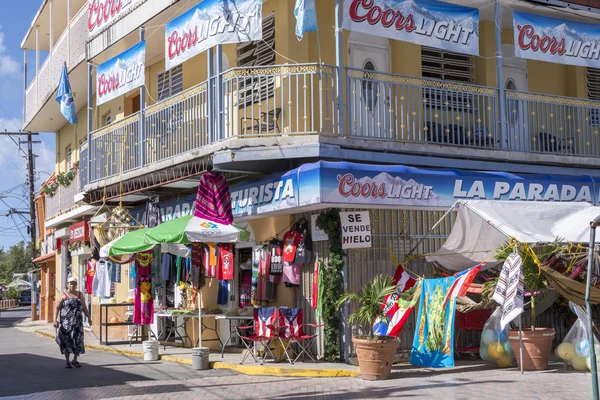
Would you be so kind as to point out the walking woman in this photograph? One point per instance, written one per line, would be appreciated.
(69, 322)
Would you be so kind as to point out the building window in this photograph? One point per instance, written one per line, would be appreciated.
(447, 66)
(69, 153)
(170, 82)
(593, 83)
(107, 118)
(369, 89)
(254, 54)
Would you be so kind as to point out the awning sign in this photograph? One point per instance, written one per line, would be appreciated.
(555, 40)
(210, 23)
(121, 74)
(425, 22)
(356, 229)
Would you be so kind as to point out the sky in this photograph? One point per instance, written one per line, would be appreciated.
(14, 22)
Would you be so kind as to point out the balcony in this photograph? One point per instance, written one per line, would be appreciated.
(70, 49)
(63, 200)
(288, 100)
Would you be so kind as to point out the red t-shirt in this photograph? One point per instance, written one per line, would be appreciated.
(290, 243)
(89, 276)
(225, 265)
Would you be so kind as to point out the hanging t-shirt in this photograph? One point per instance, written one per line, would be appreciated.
(276, 251)
(165, 266)
(89, 275)
(115, 272)
(225, 264)
(178, 273)
(291, 273)
(304, 248)
(197, 269)
(223, 294)
(290, 243)
(210, 260)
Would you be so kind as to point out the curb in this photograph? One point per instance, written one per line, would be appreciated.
(243, 369)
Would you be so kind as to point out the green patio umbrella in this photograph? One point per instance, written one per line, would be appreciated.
(132, 242)
(188, 229)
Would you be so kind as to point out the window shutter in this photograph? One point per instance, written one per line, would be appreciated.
(253, 54)
(170, 82)
(593, 81)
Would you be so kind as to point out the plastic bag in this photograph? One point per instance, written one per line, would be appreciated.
(575, 349)
(495, 347)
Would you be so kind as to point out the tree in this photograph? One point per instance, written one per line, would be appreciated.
(14, 261)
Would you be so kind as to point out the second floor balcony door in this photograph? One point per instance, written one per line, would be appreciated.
(514, 70)
(368, 93)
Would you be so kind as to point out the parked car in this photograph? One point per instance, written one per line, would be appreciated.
(25, 298)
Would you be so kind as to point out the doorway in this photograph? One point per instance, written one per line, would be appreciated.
(369, 95)
(514, 71)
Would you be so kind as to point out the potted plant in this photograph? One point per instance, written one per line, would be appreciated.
(375, 353)
(537, 342)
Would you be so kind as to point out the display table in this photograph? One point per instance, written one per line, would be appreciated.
(104, 324)
(184, 317)
(232, 330)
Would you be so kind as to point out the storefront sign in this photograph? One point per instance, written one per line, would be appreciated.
(79, 232)
(317, 234)
(102, 13)
(210, 23)
(555, 40)
(121, 74)
(425, 22)
(356, 229)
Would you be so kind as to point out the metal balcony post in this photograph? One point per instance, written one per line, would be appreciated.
(501, 91)
(338, 64)
(91, 146)
(219, 93)
(142, 120)
(25, 86)
(210, 97)
(68, 33)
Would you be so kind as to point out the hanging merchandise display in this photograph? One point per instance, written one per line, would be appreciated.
(272, 283)
(89, 276)
(304, 248)
(246, 288)
(509, 290)
(276, 251)
(157, 282)
(115, 272)
(198, 274)
(152, 212)
(213, 201)
(143, 311)
(101, 282)
(433, 344)
(165, 267)
(209, 259)
(495, 346)
(261, 259)
(225, 268)
(291, 274)
(223, 293)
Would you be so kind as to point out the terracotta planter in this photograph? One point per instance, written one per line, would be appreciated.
(537, 346)
(375, 357)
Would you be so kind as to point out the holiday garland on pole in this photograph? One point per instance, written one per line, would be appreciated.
(332, 282)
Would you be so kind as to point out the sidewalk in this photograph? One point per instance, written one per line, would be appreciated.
(184, 356)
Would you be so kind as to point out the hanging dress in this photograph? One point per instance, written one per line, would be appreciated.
(69, 335)
(143, 308)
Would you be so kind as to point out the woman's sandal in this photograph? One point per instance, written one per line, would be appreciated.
(76, 364)
(68, 365)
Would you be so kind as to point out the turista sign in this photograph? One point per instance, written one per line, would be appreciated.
(101, 13)
(430, 23)
(121, 74)
(553, 40)
(210, 23)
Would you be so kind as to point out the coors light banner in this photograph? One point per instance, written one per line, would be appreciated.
(555, 40)
(210, 23)
(121, 74)
(425, 22)
(101, 13)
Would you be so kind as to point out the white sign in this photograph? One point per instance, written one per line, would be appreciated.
(101, 13)
(210, 23)
(121, 74)
(356, 229)
(425, 22)
(318, 235)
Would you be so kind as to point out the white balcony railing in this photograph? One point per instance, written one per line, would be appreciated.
(63, 200)
(70, 49)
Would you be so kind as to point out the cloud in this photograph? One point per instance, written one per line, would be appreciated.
(8, 64)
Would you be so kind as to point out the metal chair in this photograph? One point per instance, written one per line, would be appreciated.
(291, 333)
(264, 333)
(269, 121)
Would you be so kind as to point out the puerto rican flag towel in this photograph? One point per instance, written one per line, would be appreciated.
(392, 310)
(509, 289)
(462, 282)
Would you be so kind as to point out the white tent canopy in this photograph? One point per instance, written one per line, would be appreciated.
(484, 225)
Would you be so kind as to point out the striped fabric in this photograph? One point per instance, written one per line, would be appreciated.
(509, 290)
(213, 201)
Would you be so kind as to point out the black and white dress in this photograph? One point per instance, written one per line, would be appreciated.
(69, 335)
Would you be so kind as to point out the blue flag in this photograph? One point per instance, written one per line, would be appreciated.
(64, 97)
(306, 17)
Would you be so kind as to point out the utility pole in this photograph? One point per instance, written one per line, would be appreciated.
(30, 175)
